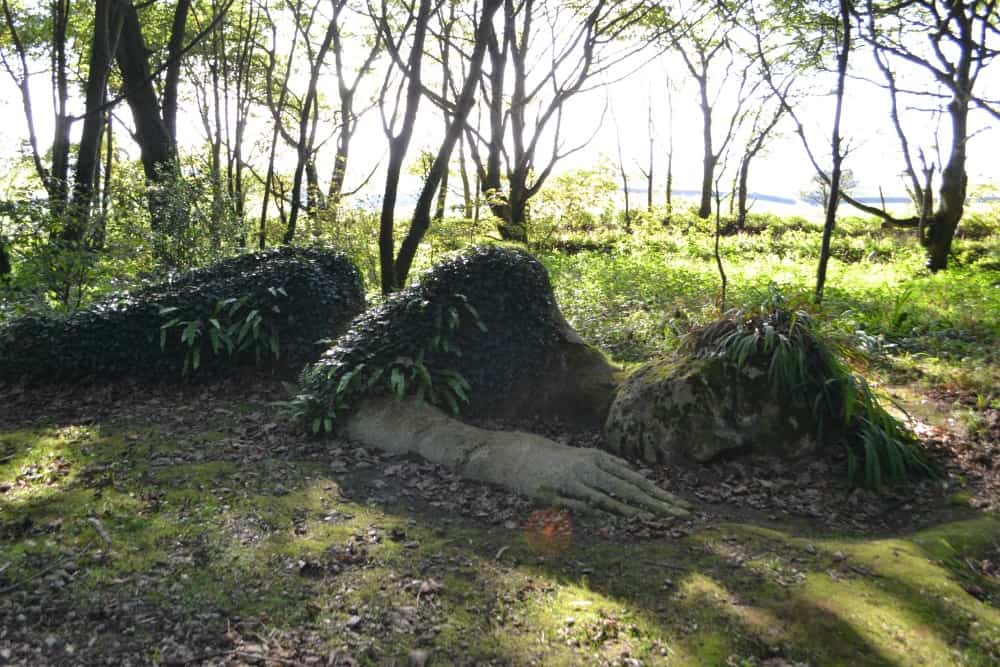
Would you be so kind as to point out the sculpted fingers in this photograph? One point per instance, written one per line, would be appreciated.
(620, 469)
(600, 499)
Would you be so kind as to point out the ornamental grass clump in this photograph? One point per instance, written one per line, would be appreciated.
(808, 371)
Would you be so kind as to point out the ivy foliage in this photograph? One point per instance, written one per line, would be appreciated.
(806, 371)
(259, 305)
(464, 334)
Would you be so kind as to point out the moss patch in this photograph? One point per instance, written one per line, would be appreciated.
(215, 549)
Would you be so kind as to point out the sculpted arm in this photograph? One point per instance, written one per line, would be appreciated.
(580, 479)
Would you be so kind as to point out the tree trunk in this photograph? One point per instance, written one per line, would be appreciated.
(741, 192)
(58, 186)
(650, 128)
(954, 181)
(442, 197)
(466, 186)
(669, 186)
(710, 159)
(5, 267)
(109, 160)
(314, 195)
(515, 225)
(707, 174)
(305, 142)
(398, 146)
(173, 74)
(445, 42)
(439, 168)
(490, 178)
(89, 150)
(218, 201)
(951, 195)
(242, 99)
(347, 89)
(158, 150)
(276, 111)
(838, 157)
(336, 190)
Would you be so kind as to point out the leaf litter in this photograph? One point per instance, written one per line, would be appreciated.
(66, 612)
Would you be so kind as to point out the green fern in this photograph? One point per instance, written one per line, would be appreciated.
(403, 376)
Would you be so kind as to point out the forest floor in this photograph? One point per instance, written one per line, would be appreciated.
(186, 525)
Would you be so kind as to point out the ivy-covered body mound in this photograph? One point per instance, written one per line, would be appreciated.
(257, 306)
(472, 331)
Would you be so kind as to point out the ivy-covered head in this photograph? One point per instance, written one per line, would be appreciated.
(469, 331)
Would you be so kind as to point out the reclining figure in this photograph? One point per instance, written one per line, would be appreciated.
(481, 333)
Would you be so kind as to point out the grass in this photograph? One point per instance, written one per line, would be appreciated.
(641, 298)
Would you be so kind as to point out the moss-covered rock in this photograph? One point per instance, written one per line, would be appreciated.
(699, 408)
(487, 316)
(288, 298)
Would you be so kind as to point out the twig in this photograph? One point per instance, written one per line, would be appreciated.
(246, 655)
(41, 573)
(99, 527)
(37, 575)
(666, 566)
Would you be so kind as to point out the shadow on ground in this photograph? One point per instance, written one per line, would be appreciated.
(189, 527)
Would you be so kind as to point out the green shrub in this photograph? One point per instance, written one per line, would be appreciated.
(286, 299)
(470, 328)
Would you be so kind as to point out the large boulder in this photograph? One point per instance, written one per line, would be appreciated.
(288, 298)
(690, 408)
(481, 328)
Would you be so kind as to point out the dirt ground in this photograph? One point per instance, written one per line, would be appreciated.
(190, 525)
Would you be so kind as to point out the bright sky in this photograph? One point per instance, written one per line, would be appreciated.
(783, 170)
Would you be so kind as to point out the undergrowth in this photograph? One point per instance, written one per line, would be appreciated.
(642, 293)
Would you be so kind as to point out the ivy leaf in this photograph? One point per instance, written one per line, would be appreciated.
(397, 384)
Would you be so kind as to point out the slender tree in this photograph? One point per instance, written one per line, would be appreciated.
(308, 117)
(398, 268)
(837, 156)
(647, 171)
(224, 73)
(348, 112)
(623, 173)
(807, 46)
(525, 105)
(951, 43)
(399, 140)
(669, 185)
(763, 124)
(54, 176)
(277, 108)
(107, 28)
(155, 123)
(719, 69)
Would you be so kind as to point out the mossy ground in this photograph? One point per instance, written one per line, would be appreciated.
(232, 539)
